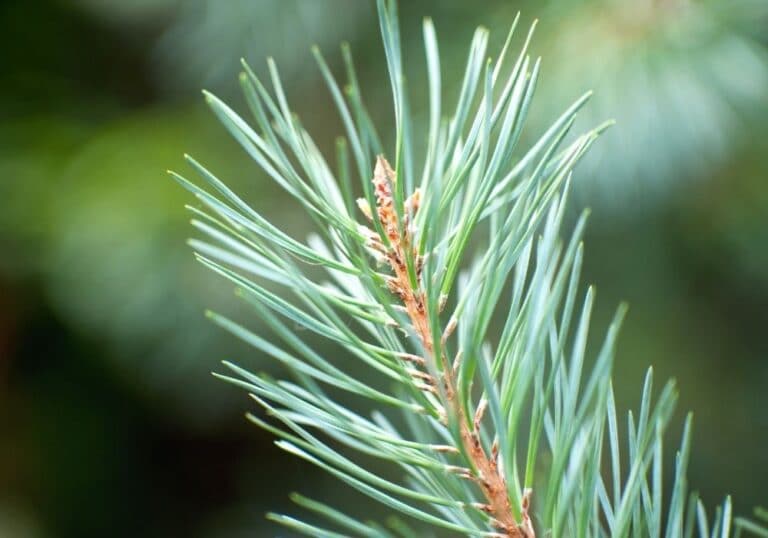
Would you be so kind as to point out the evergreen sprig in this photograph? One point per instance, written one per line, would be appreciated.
(507, 430)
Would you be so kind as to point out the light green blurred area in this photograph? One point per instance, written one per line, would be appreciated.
(93, 230)
(109, 250)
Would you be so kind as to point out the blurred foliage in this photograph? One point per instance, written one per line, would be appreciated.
(203, 41)
(686, 81)
(726, 222)
(212, 39)
(106, 248)
(95, 108)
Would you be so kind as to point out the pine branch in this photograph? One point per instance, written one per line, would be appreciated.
(492, 415)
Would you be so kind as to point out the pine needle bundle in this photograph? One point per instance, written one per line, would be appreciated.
(448, 285)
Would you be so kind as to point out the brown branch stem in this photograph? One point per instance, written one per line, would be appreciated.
(486, 471)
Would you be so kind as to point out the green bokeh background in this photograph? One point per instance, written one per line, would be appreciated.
(110, 423)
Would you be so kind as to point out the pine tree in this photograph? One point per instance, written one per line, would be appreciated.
(466, 313)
